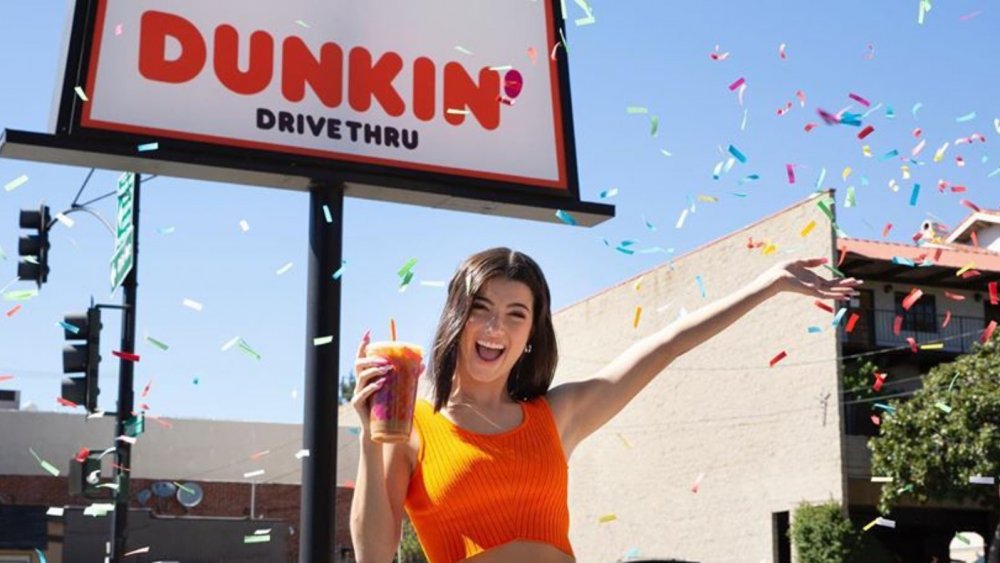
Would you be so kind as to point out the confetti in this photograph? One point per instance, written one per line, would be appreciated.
(736, 153)
(282, 270)
(607, 194)
(790, 170)
(680, 221)
(654, 125)
(965, 268)
(807, 229)
(701, 286)
(340, 271)
(697, 483)
(246, 349)
(885, 407)
(81, 94)
(463, 50)
(22, 295)
(322, 340)
(607, 518)
(138, 551)
(993, 292)
(966, 118)
(736, 84)
(244, 226)
(981, 480)
(118, 29)
(635, 319)
(943, 407)
(886, 229)
(865, 132)
(6, 377)
(780, 356)
(148, 147)
(988, 332)
(127, 356)
(45, 465)
(838, 317)
(16, 183)
(533, 55)
(166, 230)
(912, 298)
(257, 539)
(253, 474)
(925, 6)
(947, 319)
(326, 214)
(875, 479)
(55, 511)
(159, 344)
(781, 52)
(192, 304)
(851, 322)
(717, 56)
(914, 195)
(62, 218)
(301, 454)
(230, 343)
(69, 327)
(566, 218)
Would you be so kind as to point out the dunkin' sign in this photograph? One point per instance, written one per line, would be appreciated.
(450, 86)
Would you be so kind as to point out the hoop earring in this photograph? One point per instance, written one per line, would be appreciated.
(527, 349)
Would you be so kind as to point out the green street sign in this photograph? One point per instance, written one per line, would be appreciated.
(121, 262)
(123, 258)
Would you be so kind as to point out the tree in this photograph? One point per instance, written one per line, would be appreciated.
(821, 533)
(409, 548)
(948, 432)
(347, 388)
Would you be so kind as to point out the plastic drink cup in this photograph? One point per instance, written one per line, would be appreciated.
(391, 415)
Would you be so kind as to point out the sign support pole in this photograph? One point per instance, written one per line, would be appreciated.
(322, 385)
(126, 371)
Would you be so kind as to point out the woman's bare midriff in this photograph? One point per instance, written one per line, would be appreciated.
(521, 550)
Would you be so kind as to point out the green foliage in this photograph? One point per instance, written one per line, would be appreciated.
(347, 388)
(932, 453)
(859, 381)
(821, 533)
(409, 547)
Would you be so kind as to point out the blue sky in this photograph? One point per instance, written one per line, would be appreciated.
(653, 54)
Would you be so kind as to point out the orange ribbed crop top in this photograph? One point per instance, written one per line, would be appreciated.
(470, 492)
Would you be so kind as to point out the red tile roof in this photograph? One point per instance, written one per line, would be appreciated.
(944, 255)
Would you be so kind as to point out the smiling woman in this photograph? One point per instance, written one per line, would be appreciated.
(484, 475)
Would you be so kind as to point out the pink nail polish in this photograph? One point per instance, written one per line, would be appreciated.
(367, 335)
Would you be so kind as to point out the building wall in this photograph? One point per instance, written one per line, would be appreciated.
(760, 435)
(214, 454)
(200, 450)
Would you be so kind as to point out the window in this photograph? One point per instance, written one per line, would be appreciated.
(922, 316)
(779, 533)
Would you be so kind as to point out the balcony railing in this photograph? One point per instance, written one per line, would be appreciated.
(876, 329)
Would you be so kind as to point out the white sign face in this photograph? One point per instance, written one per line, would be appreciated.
(449, 86)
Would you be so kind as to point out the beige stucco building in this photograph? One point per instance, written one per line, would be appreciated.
(759, 440)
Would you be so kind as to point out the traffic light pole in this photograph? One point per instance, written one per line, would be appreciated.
(126, 396)
(319, 432)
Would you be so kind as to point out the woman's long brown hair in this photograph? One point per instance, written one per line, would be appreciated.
(532, 374)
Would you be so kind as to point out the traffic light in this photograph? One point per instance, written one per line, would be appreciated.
(34, 248)
(85, 476)
(82, 358)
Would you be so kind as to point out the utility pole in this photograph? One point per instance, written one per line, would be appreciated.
(126, 372)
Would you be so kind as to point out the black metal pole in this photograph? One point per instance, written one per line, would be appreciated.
(126, 372)
(319, 430)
